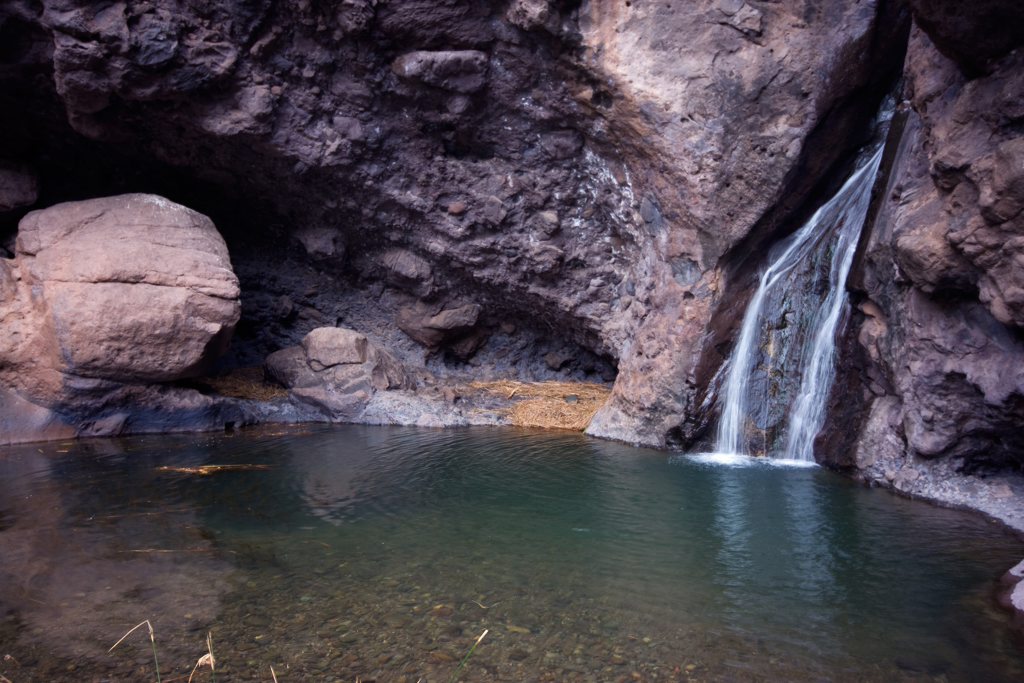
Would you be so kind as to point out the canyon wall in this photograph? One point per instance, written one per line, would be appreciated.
(551, 189)
(941, 285)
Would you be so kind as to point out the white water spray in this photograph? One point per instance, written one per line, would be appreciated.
(834, 228)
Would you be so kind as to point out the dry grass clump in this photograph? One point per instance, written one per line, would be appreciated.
(247, 383)
(549, 405)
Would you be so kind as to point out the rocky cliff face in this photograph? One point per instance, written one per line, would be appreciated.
(549, 165)
(942, 291)
(545, 189)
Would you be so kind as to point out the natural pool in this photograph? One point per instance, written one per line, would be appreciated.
(369, 553)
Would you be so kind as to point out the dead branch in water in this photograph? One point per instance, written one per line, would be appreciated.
(207, 470)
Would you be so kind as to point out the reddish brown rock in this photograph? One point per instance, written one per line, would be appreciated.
(976, 158)
(136, 288)
(611, 159)
(338, 371)
(125, 290)
(326, 347)
(944, 271)
(436, 326)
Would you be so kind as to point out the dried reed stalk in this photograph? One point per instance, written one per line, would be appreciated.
(152, 640)
(206, 660)
(550, 405)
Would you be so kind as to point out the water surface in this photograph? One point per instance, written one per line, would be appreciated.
(383, 553)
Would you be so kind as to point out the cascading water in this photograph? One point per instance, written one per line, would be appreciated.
(781, 370)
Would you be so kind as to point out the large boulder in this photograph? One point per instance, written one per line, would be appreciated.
(337, 370)
(451, 326)
(125, 290)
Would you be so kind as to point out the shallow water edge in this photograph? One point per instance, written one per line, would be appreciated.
(383, 553)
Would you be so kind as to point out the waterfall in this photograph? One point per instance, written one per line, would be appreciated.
(781, 369)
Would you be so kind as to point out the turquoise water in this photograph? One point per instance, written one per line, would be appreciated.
(369, 553)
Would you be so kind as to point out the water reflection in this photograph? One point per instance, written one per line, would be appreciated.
(84, 559)
(765, 579)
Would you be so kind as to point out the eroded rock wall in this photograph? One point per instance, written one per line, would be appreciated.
(578, 171)
(801, 81)
(940, 318)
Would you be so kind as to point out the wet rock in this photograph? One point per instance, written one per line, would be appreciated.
(1011, 595)
(882, 436)
(21, 420)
